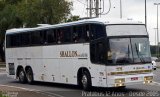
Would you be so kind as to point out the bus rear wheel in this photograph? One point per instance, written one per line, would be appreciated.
(86, 81)
(29, 74)
(22, 76)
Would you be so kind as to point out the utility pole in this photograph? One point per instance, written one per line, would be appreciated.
(157, 4)
(155, 35)
(93, 8)
(121, 9)
(146, 13)
(90, 8)
(97, 8)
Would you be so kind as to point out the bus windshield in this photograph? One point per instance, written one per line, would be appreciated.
(129, 50)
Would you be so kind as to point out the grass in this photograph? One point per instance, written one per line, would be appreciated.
(1, 95)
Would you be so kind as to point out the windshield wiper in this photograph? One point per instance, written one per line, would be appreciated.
(128, 54)
(139, 55)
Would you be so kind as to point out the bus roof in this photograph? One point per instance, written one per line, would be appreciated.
(94, 20)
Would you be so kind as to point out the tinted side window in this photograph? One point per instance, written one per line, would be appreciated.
(51, 36)
(14, 40)
(36, 38)
(80, 33)
(97, 31)
(8, 41)
(43, 34)
(60, 36)
(25, 39)
(67, 34)
(97, 51)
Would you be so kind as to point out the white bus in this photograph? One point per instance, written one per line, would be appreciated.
(93, 52)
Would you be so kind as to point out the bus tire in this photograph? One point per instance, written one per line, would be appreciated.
(86, 81)
(22, 76)
(29, 75)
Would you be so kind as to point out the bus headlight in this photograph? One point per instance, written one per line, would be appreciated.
(119, 82)
(148, 79)
(122, 80)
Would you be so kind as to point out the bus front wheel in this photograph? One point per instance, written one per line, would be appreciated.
(29, 74)
(22, 76)
(86, 80)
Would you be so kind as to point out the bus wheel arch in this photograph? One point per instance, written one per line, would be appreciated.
(83, 73)
(29, 74)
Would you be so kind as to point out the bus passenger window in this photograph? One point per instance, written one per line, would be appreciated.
(15, 37)
(87, 33)
(80, 34)
(51, 36)
(67, 35)
(36, 38)
(8, 41)
(75, 35)
(15, 40)
(60, 36)
(43, 37)
(25, 39)
(97, 31)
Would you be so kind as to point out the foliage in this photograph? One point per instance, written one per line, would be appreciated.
(72, 18)
(1, 95)
(9, 19)
(29, 13)
(35, 12)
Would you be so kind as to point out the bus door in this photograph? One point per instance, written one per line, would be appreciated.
(98, 54)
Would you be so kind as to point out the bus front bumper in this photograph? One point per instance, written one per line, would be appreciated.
(119, 81)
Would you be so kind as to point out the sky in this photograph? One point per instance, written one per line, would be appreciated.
(131, 9)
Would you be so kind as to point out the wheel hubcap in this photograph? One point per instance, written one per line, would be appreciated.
(29, 76)
(21, 76)
(84, 80)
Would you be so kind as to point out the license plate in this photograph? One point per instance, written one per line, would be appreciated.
(134, 78)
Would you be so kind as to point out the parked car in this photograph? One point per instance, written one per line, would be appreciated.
(154, 65)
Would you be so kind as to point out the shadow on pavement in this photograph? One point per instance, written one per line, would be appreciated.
(75, 87)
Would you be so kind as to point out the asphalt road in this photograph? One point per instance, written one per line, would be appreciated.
(60, 90)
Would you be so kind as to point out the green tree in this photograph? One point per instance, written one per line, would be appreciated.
(35, 12)
(72, 18)
(29, 13)
(8, 20)
(2, 5)
(13, 2)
